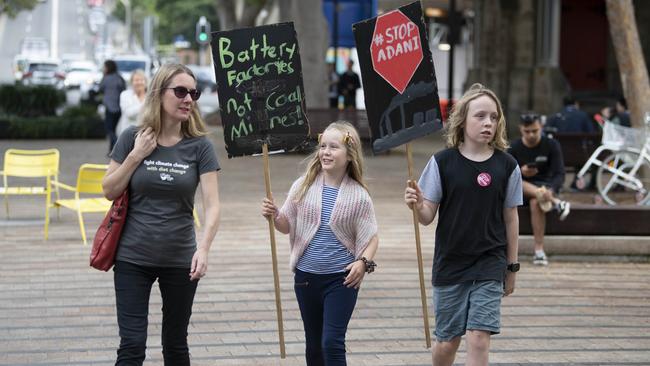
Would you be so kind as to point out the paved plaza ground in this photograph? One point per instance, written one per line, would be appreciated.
(55, 310)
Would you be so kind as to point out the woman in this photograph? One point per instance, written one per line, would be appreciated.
(111, 86)
(161, 162)
(131, 101)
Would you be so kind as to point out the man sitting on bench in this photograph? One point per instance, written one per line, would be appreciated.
(542, 170)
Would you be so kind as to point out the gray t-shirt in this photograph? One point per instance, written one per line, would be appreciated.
(159, 228)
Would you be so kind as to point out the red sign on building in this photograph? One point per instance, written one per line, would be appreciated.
(396, 49)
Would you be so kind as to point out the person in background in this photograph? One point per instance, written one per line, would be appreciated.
(349, 82)
(332, 229)
(161, 162)
(571, 118)
(622, 116)
(476, 187)
(605, 115)
(111, 86)
(333, 85)
(542, 167)
(131, 101)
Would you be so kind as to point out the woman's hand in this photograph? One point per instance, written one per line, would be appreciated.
(357, 271)
(145, 143)
(413, 195)
(269, 209)
(199, 265)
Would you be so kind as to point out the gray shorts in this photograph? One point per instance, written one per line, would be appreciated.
(474, 305)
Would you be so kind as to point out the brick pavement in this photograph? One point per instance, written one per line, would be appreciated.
(55, 310)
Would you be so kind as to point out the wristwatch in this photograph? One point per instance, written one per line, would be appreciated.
(513, 267)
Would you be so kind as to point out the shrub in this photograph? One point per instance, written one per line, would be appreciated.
(51, 127)
(30, 101)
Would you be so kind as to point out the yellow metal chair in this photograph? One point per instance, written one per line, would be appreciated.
(89, 182)
(31, 164)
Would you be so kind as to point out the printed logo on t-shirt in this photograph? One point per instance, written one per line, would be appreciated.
(167, 177)
(166, 169)
(484, 179)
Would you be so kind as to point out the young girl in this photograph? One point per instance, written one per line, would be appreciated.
(333, 234)
(476, 186)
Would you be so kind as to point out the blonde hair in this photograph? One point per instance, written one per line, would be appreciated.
(152, 107)
(137, 72)
(354, 152)
(456, 124)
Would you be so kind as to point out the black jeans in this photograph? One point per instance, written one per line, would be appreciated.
(132, 290)
(110, 123)
(326, 306)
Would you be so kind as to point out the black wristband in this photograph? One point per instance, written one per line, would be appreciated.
(370, 265)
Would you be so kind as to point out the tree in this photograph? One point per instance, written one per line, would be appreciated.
(180, 17)
(13, 7)
(174, 17)
(311, 29)
(629, 56)
(230, 18)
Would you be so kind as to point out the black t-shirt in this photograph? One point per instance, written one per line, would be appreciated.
(550, 166)
(159, 230)
(471, 234)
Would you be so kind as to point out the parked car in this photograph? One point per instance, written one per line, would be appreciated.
(126, 64)
(205, 78)
(44, 72)
(80, 74)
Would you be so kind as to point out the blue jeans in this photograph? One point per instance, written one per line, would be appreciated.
(132, 290)
(110, 123)
(326, 306)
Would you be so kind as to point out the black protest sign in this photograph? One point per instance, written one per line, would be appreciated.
(399, 80)
(259, 80)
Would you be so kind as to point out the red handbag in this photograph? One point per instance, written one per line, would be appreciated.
(102, 255)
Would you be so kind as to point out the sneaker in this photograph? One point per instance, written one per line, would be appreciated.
(540, 259)
(563, 208)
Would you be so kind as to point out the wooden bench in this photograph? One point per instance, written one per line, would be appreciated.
(586, 219)
(577, 147)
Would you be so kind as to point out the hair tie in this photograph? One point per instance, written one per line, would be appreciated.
(348, 139)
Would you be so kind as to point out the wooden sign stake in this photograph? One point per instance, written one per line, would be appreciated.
(418, 249)
(276, 276)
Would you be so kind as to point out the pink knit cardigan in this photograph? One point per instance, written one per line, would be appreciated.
(352, 220)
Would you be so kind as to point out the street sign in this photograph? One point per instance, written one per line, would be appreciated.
(399, 81)
(395, 50)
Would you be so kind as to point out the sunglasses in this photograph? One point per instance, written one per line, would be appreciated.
(181, 92)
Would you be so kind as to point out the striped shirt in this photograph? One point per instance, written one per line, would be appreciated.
(325, 253)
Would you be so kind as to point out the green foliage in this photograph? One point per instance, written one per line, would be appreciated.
(75, 123)
(82, 111)
(180, 17)
(30, 101)
(13, 7)
(174, 17)
(140, 9)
